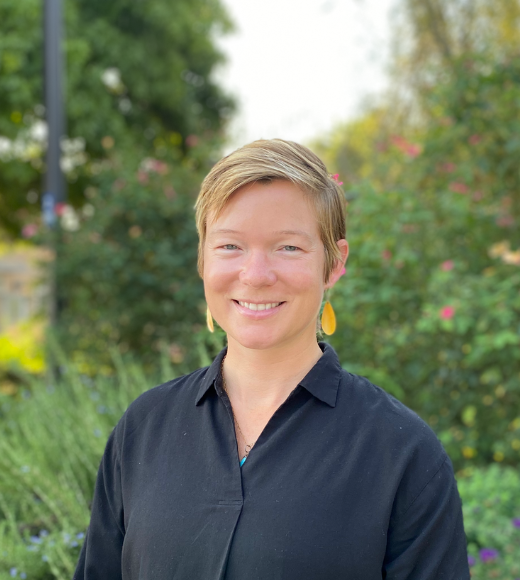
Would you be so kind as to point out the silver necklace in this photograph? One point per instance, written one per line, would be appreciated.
(248, 446)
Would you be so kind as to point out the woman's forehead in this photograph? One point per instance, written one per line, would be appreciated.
(279, 206)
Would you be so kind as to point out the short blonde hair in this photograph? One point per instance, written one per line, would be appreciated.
(268, 160)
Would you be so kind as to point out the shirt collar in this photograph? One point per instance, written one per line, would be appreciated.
(322, 381)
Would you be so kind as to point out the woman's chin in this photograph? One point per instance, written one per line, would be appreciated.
(256, 339)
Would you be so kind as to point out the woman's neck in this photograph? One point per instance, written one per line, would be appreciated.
(263, 379)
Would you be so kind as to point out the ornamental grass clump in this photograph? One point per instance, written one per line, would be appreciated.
(51, 442)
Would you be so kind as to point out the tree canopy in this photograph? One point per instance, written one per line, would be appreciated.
(138, 74)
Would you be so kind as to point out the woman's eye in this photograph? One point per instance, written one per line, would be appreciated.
(230, 247)
(290, 248)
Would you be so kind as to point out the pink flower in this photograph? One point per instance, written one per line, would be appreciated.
(151, 165)
(118, 184)
(386, 255)
(142, 176)
(192, 140)
(413, 150)
(29, 230)
(410, 149)
(447, 312)
(474, 139)
(160, 167)
(505, 221)
(448, 167)
(336, 179)
(169, 192)
(59, 208)
(459, 187)
(447, 266)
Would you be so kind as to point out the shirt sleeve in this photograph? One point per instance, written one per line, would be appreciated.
(100, 557)
(426, 540)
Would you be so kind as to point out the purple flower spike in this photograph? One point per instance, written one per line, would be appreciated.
(488, 555)
(516, 522)
(471, 561)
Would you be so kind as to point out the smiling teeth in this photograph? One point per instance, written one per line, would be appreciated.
(252, 306)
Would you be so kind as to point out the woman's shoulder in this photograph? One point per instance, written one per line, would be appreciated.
(400, 441)
(384, 416)
(169, 398)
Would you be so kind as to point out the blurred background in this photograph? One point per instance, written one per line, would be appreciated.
(414, 103)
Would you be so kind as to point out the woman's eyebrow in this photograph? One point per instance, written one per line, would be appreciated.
(301, 233)
(295, 233)
(222, 231)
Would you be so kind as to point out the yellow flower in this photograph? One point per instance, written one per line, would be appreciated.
(512, 258)
(469, 452)
(498, 456)
(499, 249)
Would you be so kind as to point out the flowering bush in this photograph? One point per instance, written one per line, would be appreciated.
(431, 298)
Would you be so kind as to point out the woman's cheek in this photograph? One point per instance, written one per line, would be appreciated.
(301, 274)
(218, 274)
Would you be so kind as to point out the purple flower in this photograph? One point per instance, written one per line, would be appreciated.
(488, 554)
(471, 561)
(516, 522)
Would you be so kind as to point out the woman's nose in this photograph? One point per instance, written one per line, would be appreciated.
(257, 270)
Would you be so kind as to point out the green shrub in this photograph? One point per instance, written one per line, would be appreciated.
(126, 273)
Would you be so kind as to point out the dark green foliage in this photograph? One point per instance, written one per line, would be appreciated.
(158, 94)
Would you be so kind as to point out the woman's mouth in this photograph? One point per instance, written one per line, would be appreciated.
(255, 306)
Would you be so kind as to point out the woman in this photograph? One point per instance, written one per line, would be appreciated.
(274, 462)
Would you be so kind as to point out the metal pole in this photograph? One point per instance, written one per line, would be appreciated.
(54, 185)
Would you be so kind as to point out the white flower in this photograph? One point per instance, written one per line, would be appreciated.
(111, 78)
(5, 147)
(88, 210)
(38, 131)
(69, 219)
(125, 105)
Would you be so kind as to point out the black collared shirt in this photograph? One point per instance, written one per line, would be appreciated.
(344, 483)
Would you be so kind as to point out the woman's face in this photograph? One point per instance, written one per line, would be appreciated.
(264, 264)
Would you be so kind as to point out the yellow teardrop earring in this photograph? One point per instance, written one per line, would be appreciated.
(209, 320)
(328, 319)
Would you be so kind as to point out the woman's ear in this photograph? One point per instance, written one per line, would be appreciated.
(339, 268)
